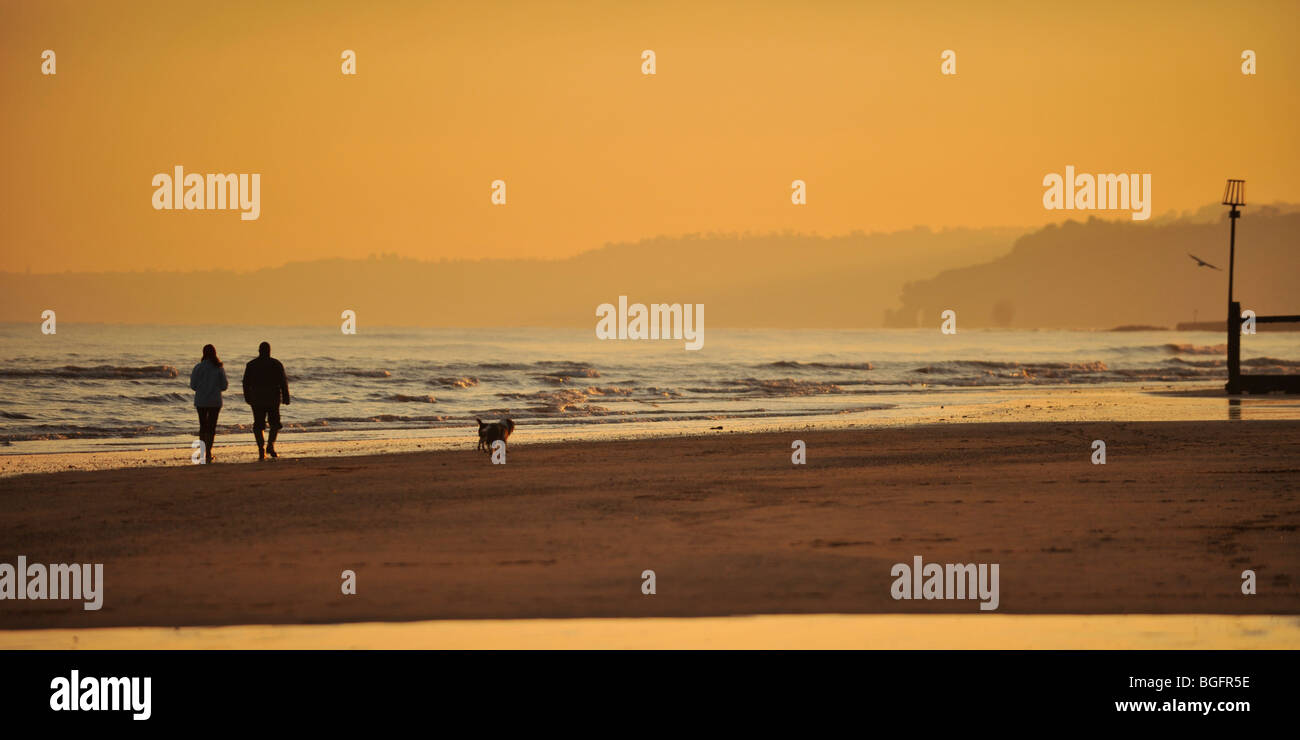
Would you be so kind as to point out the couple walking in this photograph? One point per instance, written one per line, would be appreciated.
(265, 386)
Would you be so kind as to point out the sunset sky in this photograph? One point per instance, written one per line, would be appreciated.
(550, 98)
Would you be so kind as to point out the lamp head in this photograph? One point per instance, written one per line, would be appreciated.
(1235, 193)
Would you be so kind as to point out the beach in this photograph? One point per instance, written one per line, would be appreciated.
(724, 519)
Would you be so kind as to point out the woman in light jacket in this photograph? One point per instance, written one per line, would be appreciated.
(208, 380)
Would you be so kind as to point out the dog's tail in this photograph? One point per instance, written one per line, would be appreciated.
(480, 421)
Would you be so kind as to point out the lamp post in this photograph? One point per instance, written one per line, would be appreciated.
(1234, 196)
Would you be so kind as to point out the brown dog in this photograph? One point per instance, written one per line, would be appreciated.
(489, 432)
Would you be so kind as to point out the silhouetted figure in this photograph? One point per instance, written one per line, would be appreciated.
(265, 387)
(208, 380)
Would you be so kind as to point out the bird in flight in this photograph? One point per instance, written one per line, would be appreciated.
(1202, 263)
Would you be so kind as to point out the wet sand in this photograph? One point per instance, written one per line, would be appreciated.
(727, 523)
(783, 632)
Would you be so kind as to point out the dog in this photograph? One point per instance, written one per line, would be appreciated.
(489, 432)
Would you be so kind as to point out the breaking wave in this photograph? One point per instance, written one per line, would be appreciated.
(821, 365)
(105, 372)
(1196, 349)
(462, 382)
(771, 387)
(402, 398)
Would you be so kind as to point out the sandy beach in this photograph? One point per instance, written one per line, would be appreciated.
(728, 524)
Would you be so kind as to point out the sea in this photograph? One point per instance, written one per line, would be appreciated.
(97, 386)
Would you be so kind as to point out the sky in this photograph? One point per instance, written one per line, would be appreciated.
(550, 98)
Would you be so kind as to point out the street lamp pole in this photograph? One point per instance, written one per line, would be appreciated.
(1234, 196)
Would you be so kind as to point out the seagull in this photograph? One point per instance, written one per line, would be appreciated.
(1202, 263)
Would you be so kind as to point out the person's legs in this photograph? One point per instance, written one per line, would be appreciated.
(205, 423)
(208, 429)
(203, 431)
(213, 413)
(212, 431)
(259, 423)
(274, 414)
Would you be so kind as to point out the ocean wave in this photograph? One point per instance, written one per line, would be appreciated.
(449, 382)
(821, 365)
(571, 410)
(161, 398)
(771, 387)
(45, 432)
(562, 363)
(572, 395)
(1167, 373)
(402, 398)
(1195, 349)
(609, 391)
(97, 372)
(564, 376)
(1016, 369)
(568, 401)
(1271, 364)
(1254, 361)
(316, 373)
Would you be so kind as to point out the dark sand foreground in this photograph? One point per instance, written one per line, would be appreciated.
(727, 523)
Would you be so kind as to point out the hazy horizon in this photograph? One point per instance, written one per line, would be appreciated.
(1121, 273)
(1209, 213)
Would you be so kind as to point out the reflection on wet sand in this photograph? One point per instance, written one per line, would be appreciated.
(798, 632)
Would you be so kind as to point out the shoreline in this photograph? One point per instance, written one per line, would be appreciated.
(1162, 402)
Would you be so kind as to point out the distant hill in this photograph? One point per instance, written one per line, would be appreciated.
(1104, 274)
(777, 280)
(1096, 274)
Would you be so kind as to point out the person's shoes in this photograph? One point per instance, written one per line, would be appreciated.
(271, 451)
(261, 454)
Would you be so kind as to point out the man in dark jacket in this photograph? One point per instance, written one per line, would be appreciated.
(265, 386)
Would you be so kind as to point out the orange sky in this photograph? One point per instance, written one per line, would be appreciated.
(549, 97)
